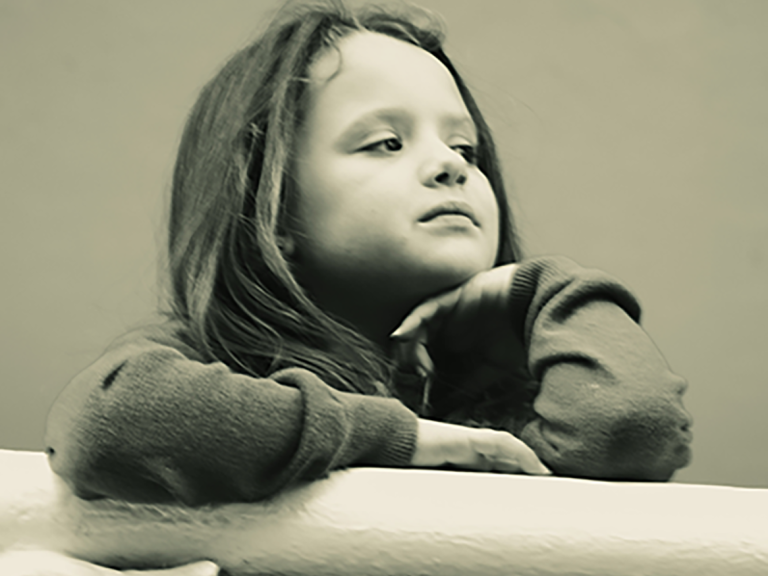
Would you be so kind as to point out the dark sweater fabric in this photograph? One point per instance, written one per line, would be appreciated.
(151, 421)
(609, 406)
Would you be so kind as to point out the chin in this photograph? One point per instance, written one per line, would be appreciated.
(436, 279)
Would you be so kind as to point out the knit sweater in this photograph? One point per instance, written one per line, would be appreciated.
(152, 421)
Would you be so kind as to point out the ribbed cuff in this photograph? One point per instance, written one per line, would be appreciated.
(548, 272)
(384, 431)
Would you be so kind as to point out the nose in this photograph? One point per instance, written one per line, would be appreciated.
(446, 168)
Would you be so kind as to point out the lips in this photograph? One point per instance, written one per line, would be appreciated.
(451, 208)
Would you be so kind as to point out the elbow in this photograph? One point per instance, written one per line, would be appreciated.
(67, 457)
(644, 448)
(72, 468)
(653, 440)
(91, 463)
(632, 447)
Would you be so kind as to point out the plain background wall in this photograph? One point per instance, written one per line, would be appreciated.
(635, 133)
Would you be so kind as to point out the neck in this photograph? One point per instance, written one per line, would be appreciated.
(375, 321)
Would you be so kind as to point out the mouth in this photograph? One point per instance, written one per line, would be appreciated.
(451, 208)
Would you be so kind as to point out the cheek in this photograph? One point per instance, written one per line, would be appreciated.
(330, 182)
(491, 214)
(320, 201)
(331, 224)
(496, 228)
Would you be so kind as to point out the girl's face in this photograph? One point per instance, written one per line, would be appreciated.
(391, 207)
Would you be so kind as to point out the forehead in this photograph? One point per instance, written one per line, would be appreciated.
(368, 68)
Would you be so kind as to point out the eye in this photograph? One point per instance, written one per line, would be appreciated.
(468, 152)
(386, 145)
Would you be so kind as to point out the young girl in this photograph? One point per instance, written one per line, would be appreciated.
(346, 289)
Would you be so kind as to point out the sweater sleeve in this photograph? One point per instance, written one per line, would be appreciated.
(148, 423)
(608, 405)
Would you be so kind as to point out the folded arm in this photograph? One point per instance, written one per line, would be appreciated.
(608, 406)
(147, 422)
(606, 403)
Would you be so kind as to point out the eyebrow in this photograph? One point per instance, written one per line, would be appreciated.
(460, 121)
(396, 115)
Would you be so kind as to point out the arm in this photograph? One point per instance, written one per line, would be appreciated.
(608, 406)
(149, 422)
(51, 563)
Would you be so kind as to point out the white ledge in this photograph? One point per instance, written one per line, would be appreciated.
(370, 521)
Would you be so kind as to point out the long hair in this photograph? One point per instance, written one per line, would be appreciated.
(230, 285)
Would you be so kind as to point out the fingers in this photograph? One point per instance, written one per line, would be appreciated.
(506, 453)
(468, 307)
(204, 568)
(413, 352)
(481, 449)
(425, 312)
(48, 563)
(469, 315)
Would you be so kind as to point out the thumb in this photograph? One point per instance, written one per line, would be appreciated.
(203, 568)
(425, 312)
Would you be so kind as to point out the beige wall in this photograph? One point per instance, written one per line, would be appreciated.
(636, 134)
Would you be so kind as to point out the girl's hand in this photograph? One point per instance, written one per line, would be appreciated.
(472, 320)
(47, 563)
(481, 449)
